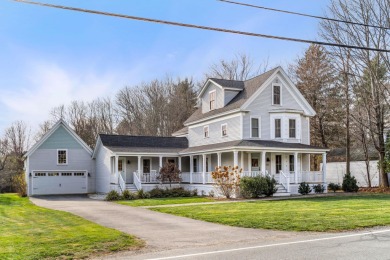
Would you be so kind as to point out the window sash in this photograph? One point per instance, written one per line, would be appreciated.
(255, 127)
(276, 95)
(195, 165)
(278, 133)
(292, 128)
(206, 131)
(224, 130)
(212, 100)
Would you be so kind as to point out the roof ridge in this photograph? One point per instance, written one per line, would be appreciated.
(142, 136)
(262, 73)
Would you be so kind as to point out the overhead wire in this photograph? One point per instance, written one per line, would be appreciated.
(144, 19)
(303, 14)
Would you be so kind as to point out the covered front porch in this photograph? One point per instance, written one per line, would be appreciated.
(289, 168)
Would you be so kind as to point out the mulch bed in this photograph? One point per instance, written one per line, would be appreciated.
(375, 190)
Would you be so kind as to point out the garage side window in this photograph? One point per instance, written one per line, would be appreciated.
(62, 156)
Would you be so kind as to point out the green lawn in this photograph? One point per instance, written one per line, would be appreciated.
(31, 232)
(164, 201)
(311, 214)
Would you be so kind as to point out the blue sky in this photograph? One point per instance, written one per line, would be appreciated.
(50, 57)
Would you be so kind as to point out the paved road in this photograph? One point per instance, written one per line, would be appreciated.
(168, 235)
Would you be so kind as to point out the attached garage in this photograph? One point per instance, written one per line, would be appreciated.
(60, 163)
(52, 183)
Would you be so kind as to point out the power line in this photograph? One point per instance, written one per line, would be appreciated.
(306, 15)
(201, 27)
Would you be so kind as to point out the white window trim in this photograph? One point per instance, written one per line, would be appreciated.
(67, 157)
(281, 94)
(258, 118)
(274, 128)
(296, 122)
(215, 99)
(208, 131)
(225, 124)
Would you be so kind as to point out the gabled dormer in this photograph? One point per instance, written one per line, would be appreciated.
(217, 93)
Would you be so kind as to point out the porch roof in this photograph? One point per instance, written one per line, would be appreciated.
(255, 144)
(143, 144)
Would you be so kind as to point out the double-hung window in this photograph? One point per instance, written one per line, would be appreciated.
(292, 128)
(212, 99)
(255, 127)
(62, 157)
(206, 132)
(276, 94)
(278, 128)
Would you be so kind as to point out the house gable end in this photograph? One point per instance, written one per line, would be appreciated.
(291, 96)
(60, 138)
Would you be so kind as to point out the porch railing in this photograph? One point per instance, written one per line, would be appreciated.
(185, 177)
(122, 183)
(137, 180)
(284, 180)
(149, 177)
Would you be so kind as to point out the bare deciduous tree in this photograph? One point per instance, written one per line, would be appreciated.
(363, 65)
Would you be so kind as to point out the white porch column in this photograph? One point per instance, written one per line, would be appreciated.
(191, 167)
(139, 166)
(296, 167)
(179, 162)
(219, 155)
(249, 162)
(160, 164)
(263, 161)
(204, 168)
(324, 168)
(116, 168)
(242, 160)
(235, 158)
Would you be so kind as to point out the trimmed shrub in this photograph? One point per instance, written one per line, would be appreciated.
(270, 187)
(211, 194)
(128, 195)
(254, 187)
(157, 193)
(319, 188)
(304, 188)
(195, 192)
(349, 183)
(141, 194)
(334, 187)
(113, 195)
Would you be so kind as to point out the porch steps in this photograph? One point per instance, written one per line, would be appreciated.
(131, 187)
(282, 192)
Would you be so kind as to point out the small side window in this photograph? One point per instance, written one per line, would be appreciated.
(224, 130)
(276, 95)
(206, 131)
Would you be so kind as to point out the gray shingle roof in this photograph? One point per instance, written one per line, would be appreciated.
(129, 143)
(182, 131)
(236, 84)
(250, 87)
(254, 144)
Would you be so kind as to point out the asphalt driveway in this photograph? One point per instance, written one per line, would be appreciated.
(162, 232)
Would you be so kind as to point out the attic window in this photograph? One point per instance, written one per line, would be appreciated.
(276, 95)
(62, 157)
(224, 130)
(212, 99)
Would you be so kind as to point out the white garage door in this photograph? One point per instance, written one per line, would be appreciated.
(47, 183)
